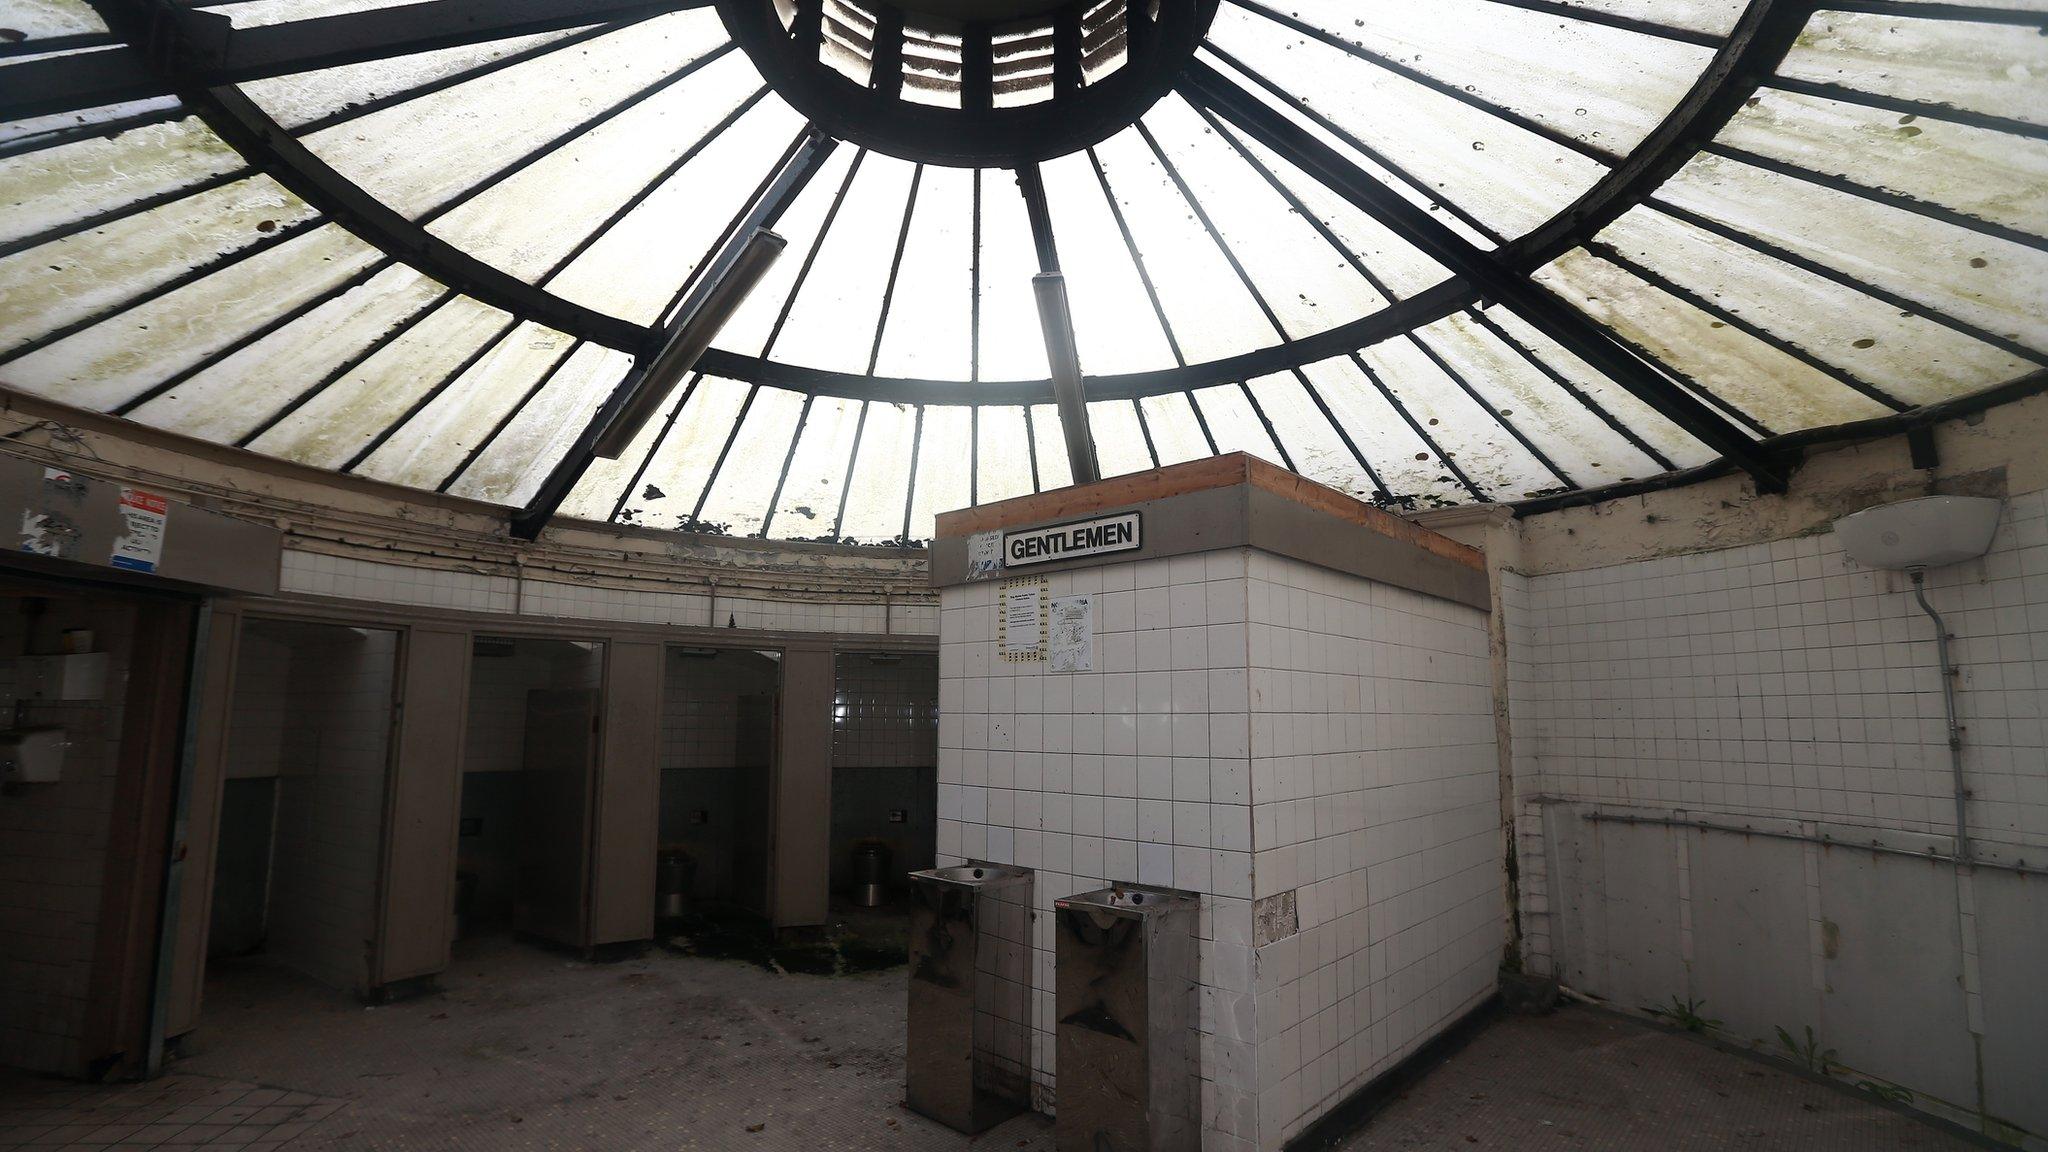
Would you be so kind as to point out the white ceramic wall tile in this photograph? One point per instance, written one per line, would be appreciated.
(1781, 680)
(1250, 725)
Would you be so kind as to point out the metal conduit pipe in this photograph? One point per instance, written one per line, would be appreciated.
(1949, 672)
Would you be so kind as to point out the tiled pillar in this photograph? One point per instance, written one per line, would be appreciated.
(1310, 749)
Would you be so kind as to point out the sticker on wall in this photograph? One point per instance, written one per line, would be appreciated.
(1020, 620)
(984, 555)
(140, 543)
(51, 527)
(1070, 634)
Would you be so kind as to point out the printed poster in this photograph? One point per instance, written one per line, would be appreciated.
(139, 543)
(1020, 614)
(1070, 634)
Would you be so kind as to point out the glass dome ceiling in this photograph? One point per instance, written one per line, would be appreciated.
(1425, 251)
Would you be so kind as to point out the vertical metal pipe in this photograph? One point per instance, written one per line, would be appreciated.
(1058, 322)
(1949, 672)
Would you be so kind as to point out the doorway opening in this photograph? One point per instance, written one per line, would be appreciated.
(885, 755)
(528, 777)
(302, 813)
(718, 725)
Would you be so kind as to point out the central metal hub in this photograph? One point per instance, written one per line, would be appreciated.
(971, 83)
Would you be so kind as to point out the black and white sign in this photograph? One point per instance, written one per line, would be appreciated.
(1118, 533)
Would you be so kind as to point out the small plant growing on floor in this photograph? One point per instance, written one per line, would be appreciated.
(1811, 1054)
(1684, 1014)
(1889, 1093)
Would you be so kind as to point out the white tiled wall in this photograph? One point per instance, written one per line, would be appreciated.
(53, 842)
(318, 574)
(1252, 726)
(1781, 687)
(1375, 805)
(1782, 680)
(312, 707)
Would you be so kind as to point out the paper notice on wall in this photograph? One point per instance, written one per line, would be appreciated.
(50, 526)
(139, 543)
(1070, 634)
(984, 555)
(1020, 615)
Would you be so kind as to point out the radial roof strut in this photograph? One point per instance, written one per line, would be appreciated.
(1559, 321)
(170, 42)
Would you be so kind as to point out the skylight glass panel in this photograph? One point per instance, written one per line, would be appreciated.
(638, 266)
(878, 497)
(739, 495)
(41, 19)
(79, 276)
(1312, 443)
(607, 484)
(1054, 470)
(834, 321)
(1480, 447)
(817, 472)
(1115, 328)
(1510, 177)
(1003, 460)
(433, 445)
(1301, 276)
(681, 465)
(752, 326)
(1175, 428)
(1998, 69)
(1762, 382)
(1236, 424)
(1993, 176)
(339, 422)
(1910, 357)
(305, 97)
(1713, 16)
(422, 152)
(529, 222)
(1575, 439)
(1207, 307)
(522, 454)
(255, 13)
(1993, 283)
(1120, 446)
(108, 364)
(926, 332)
(1657, 434)
(1390, 261)
(74, 183)
(1011, 346)
(226, 398)
(1603, 86)
(945, 466)
(1410, 467)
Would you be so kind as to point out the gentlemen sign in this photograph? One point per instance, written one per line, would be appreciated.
(1118, 533)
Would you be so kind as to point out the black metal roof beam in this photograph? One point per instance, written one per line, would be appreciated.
(1585, 14)
(168, 44)
(1929, 209)
(1379, 285)
(251, 131)
(1273, 318)
(1416, 76)
(1495, 281)
(782, 185)
(1751, 53)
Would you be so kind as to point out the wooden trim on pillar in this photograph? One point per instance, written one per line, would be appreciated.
(627, 817)
(801, 865)
(423, 809)
(202, 824)
(123, 974)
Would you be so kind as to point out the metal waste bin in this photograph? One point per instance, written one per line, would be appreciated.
(675, 874)
(1128, 1059)
(870, 873)
(968, 1053)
